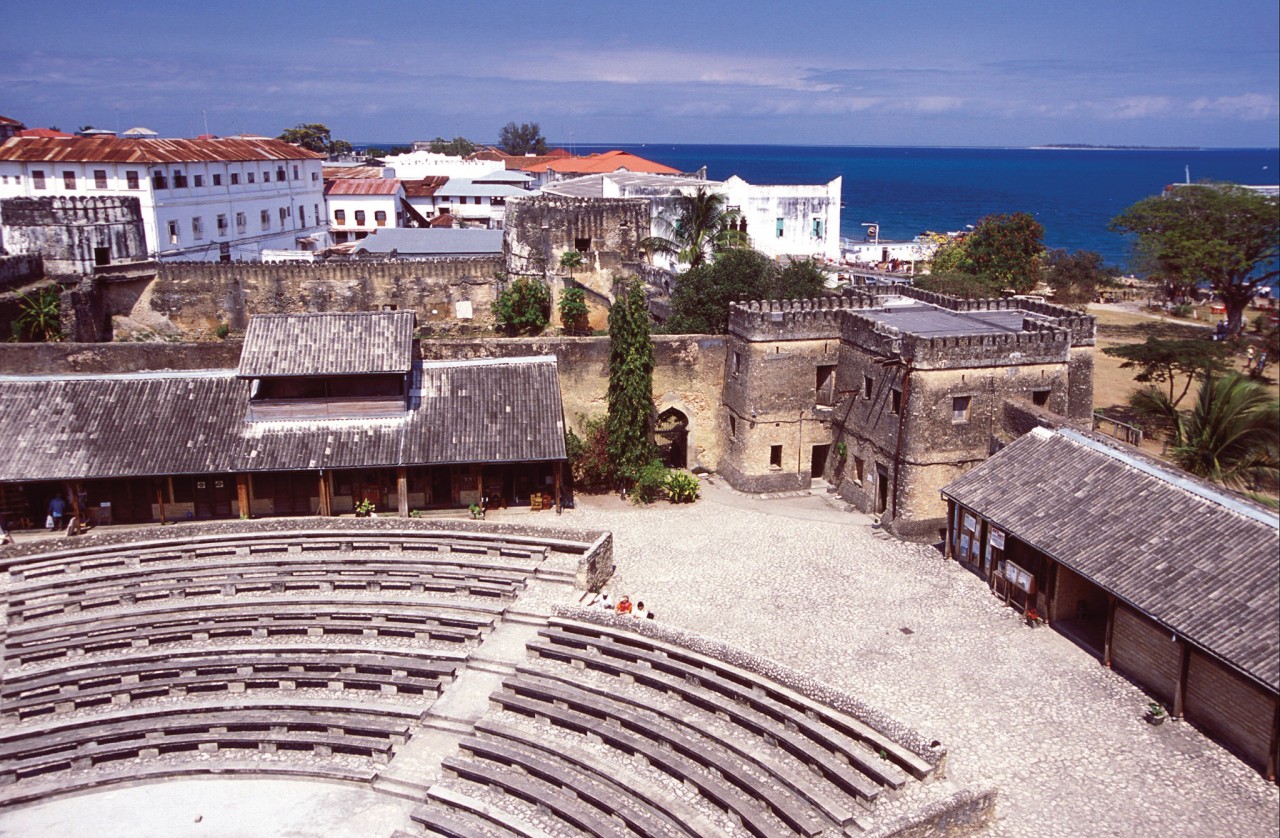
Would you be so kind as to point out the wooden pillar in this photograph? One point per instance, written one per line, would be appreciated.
(169, 483)
(1180, 688)
(402, 491)
(1111, 625)
(242, 495)
(948, 551)
(160, 501)
(1273, 756)
(1050, 591)
(74, 493)
(559, 468)
(326, 506)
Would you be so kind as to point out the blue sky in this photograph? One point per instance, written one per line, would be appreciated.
(996, 73)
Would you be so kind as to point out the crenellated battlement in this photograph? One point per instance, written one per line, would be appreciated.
(809, 319)
(1083, 327)
(1039, 342)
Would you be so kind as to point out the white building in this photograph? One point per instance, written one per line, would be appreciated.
(360, 206)
(417, 165)
(201, 200)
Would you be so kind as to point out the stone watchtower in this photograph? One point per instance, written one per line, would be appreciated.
(888, 398)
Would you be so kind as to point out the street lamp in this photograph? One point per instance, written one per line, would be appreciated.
(873, 231)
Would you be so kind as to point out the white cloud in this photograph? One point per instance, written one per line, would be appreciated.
(1249, 106)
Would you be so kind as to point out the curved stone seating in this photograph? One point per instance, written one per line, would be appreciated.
(459, 621)
(227, 669)
(234, 576)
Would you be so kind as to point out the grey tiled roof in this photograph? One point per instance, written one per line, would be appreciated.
(328, 344)
(60, 428)
(1199, 561)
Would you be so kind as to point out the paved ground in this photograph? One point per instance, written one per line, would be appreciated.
(1024, 710)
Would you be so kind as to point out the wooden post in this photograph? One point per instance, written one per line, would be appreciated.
(948, 551)
(559, 508)
(169, 481)
(160, 501)
(1180, 688)
(74, 494)
(242, 495)
(1273, 757)
(325, 501)
(1111, 625)
(402, 491)
(1051, 591)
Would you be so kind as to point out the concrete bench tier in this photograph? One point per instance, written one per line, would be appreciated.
(779, 789)
(520, 552)
(607, 796)
(118, 587)
(441, 821)
(38, 789)
(491, 818)
(457, 621)
(546, 796)
(126, 682)
(661, 751)
(749, 683)
(848, 763)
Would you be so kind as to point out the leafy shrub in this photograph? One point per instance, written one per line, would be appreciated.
(1182, 310)
(523, 307)
(40, 315)
(573, 308)
(651, 482)
(589, 457)
(222, 331)
(682, 487)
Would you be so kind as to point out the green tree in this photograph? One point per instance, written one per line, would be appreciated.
(457, 147)
(700, 302)
(1006, 250)
(695, 228)
(1231, 435)
(573, 309)
(315, 136)
(957, 284)
(40, 315)
(1077, 277)
(1165, 361)
(952, 256)
(1218, 233)
(523, 307)
(525, 138)
(630, 395)
(571, 260)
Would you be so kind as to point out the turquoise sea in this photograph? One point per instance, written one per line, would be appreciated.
(907, 190)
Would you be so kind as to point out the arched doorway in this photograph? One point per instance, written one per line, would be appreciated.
(672, 433)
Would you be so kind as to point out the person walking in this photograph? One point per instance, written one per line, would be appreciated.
(57, 511)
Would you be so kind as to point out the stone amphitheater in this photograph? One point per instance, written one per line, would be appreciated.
(440, 677)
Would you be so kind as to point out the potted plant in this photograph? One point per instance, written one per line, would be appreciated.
(365, 508)
(1156, 714)
(477, 511)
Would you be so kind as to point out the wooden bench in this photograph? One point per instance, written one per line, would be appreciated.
(674, 811)
(778, 792)
(660, 752)
(464, 805)
(573, 632)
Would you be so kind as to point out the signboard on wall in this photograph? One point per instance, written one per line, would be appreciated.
(996, 538)
(1019, 578)
(970, 523)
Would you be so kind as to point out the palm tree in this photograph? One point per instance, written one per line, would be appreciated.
(1231, 435)
(700, 227)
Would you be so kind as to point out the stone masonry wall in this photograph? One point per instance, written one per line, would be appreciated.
(65, 231)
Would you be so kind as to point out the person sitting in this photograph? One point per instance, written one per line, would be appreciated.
(624, 605)
(603, 602)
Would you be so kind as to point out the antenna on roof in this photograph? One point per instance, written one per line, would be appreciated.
(205, 114)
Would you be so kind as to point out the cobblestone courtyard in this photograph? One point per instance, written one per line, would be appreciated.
(1025, 711)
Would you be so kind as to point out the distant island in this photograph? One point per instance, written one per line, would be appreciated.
(1088, 147)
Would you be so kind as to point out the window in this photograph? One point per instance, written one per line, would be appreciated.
(158, 180)
(198, 181)
(295, 171)
(252, 175)
(960, 409)
(817, 228)
(284, 213)
(37, 179)
(266, 175)
(737, 362)
(339, 216)
(315, 176)
(896, 407)
(775, 456)
(380, 217)
(69, 180)
(235, 178)
(733, 425)
(1040, 398)
(781, 226)
(859, 469)
(217, 180)
(825, 384)
(197, 228)
(241, 222)
(279, 173)
(99, 178)
(222, 225)
(179, 180)
(582, 245)
(131, 179)
(265, 218)
(302, 216)
(868, 386)
(174, 236)
(359, 218)
(315, 209)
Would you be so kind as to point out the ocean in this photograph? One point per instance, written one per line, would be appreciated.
(908, 190)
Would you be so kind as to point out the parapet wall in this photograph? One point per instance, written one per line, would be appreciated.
(1038, 343)
(20, 269)
(1082, 327)
(70, 232)
(771, 320)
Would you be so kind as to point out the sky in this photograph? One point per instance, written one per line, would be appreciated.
(838, 72)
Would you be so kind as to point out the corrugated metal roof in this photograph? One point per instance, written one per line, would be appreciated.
(66, 428)
(363, 186)
(337, 343)
(1195, 561)
(123, 150)
(424, 188)
(339, 172)
(465, 187)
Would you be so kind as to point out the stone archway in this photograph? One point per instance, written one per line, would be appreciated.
(672, 433)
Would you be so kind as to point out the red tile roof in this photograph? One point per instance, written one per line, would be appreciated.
(121, 150)
(4, 120)
(363, 186)
(609, 161)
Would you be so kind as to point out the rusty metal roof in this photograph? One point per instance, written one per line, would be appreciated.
(424, 188)
(363, 186)
(342, 172)
(144, 151)
(333, 343)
